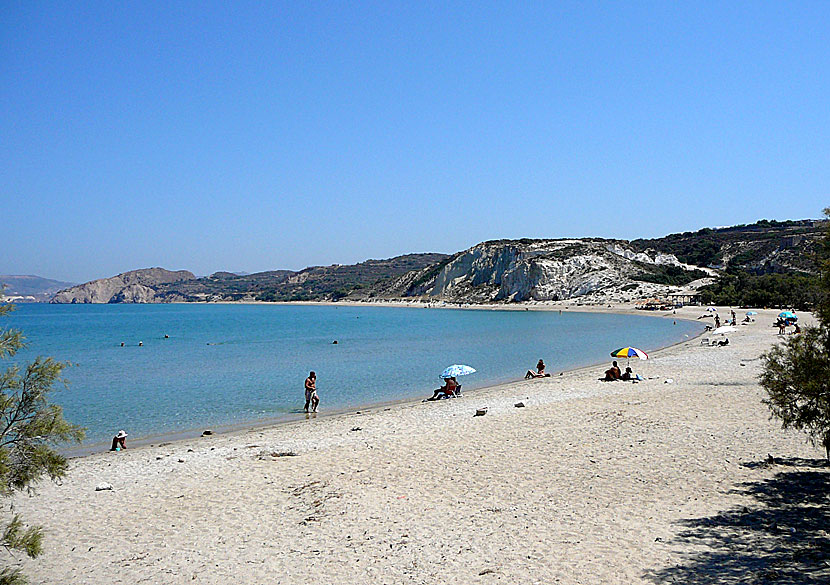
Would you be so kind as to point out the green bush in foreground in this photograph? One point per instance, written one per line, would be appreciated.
(796, 375)
(29, 426)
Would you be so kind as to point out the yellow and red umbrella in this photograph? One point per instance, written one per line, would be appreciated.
(629, 352)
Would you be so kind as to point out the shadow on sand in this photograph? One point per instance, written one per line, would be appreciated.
(784, 537)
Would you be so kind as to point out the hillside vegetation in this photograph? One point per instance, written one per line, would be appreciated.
(767, 263)
(764, 247)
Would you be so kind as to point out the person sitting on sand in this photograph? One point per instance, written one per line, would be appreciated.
(539, 373)
(628, 375)
(119, 441)
(448, 390)
(613, 373)
(797, 329)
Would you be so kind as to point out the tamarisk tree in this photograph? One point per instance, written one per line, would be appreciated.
(796, 374)
(29, 427)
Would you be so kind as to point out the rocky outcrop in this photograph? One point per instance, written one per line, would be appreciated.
(136, 286)
(539, 270)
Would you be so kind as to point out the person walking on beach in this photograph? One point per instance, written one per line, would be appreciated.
(311, 392)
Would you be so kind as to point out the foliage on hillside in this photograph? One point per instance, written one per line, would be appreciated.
(316, 283)
(762, 247)
(224, 286)
(747, 254)
(668, 274)
(337, 282)
(798, 290)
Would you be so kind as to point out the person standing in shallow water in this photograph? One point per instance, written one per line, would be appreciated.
(311, 392)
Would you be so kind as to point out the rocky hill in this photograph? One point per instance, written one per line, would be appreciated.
(764, 247)
(587, 270)
(136, 286)
(156, 285)
(593, 270)
(353, 280)
(546, 270)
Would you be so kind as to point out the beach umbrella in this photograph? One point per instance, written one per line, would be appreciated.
(750, 313)
(724, 330)
(789, 315)
(629, 352)
(712, 309)
(457, 370)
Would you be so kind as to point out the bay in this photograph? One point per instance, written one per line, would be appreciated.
(245, 364)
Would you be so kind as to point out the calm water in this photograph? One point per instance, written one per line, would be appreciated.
(232, 364)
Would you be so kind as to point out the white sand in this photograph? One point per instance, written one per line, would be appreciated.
(590, 483)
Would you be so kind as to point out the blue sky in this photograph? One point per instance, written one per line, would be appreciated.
(255, 136)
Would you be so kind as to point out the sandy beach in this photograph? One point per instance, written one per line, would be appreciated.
(666, 480)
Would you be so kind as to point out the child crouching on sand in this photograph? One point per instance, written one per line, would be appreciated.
(119, 441)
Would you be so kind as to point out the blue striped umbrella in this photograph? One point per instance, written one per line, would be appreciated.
(457, 370)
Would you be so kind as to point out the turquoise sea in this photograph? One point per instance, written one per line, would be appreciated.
(245, 364)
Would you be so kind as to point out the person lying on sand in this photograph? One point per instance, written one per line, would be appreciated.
(539, 373)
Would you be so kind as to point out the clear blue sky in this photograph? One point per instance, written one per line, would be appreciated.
(254, 136)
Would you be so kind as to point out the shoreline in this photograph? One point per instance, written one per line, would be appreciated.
(151, 441)
(588, 480)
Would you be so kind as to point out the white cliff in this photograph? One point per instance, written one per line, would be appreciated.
(542, 270)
